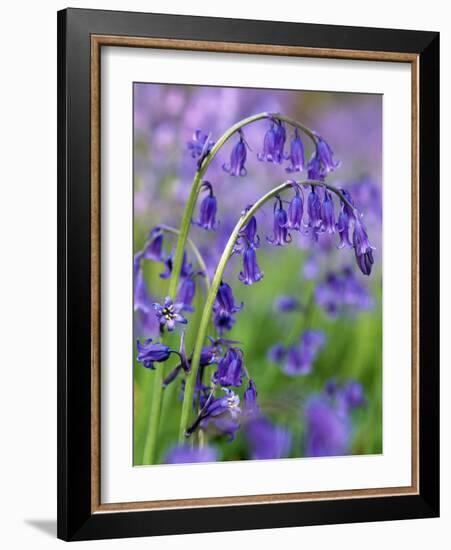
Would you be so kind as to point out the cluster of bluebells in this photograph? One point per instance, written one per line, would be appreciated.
(320, 208)
(327, 418)
(217, 406)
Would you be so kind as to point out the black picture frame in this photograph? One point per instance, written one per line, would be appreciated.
(76, 520)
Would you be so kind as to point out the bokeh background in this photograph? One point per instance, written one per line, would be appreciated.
(165, 117)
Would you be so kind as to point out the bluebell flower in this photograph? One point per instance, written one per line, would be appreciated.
(150, 353)
(185, 270)
(286, 304)
(327, 213)
(247, 236)
(154, 247)
(207, 211)
(281, 235)
(326, 155)
(315, 170)
(251, 272)
(223, 412)
(277, 353)
(266, 440)
(344, 220)
(327, 431)
(281, 137)
(343, 229)
(296, 156)
(185, 454)
(314, 210)
(169, 314)
(300, 357)
(224, 308)
(348, 209)
(269, 145)
(295, 210)
(237, 158)
(274, 143)
(362, 247)
(230, 369)
(251, 408)
(200, 145)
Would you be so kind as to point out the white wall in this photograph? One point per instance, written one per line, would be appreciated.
(28, 245)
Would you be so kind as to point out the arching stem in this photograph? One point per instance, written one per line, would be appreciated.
(197, 184)
(211, 296)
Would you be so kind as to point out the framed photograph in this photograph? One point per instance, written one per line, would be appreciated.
(248, 274)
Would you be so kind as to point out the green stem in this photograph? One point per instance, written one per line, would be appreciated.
(199, 258)
(154, 417)
(211, 296)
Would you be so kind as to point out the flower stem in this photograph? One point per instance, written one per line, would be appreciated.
(154, 417)
(199, 258)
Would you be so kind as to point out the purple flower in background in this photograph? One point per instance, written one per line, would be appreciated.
(266, 440)
(169, 314)
(186, 292)
(237, 158)
(141, 298)
(327, 432)
(223, 412)
(327, 213)
(314, 210)
(207, 210)
(295, 210)
(230, 369)
(185, 454)
(200, 145)
(185, 271)
(277, 353)
(281, 235)
(362, 247)
(251, 408)
(345, 397)
(251, 272)
(342, 293)
(286, 304)
(150, 353)
(300, 357)
(354, 395)
(296, 156)
(224, 308)
(154, 246)
(311, 268)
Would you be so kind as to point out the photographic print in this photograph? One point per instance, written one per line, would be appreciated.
(257, 274)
